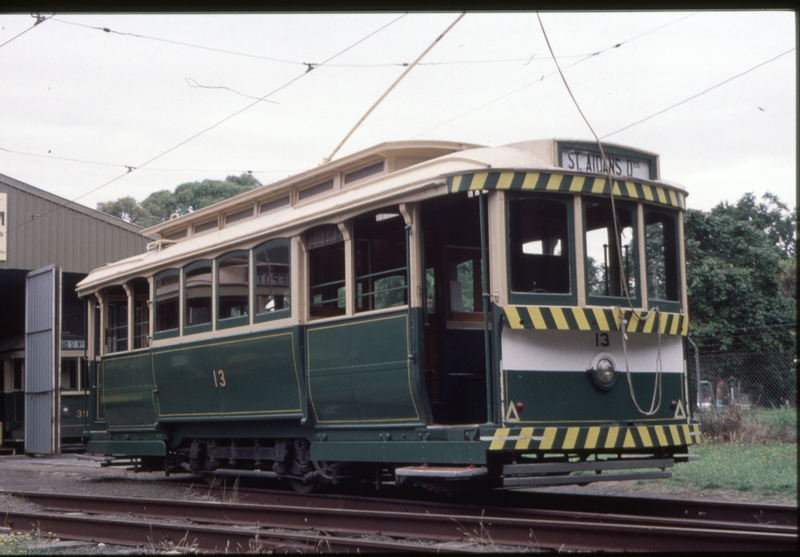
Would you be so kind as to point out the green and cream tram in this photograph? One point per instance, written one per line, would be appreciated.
(416, 311)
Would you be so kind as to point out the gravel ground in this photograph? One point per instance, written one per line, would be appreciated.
(70, 474)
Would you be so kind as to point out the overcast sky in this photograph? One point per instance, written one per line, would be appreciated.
(175, 97)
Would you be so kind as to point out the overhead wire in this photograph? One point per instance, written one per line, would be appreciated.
(583, 58)
(115, 164)
(212, 49)
(297, 62)
(193, 83)
(39, 19)
(190, 81)
(209, 128)
(700, 93)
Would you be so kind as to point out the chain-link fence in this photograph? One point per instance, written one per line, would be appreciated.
(743, 380)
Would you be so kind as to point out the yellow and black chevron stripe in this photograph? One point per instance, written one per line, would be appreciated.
(593, 319)
(545, 181)
(591, 438)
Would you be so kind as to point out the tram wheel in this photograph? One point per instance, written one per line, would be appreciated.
(301, 486)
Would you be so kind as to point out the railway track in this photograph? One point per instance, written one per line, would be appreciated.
(339, 523)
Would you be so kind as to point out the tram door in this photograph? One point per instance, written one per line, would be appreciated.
(453, 336)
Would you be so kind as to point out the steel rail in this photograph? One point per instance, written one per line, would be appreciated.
(554, 529)
(203, 538)
(532, 501)
(723, 511)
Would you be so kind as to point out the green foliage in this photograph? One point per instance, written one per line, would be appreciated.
(126, 208)
(191, 196)
(159, 206)
(788, 278)
(196, 195)
(734, 270)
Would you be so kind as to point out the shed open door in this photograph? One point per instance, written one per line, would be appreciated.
(42, 357)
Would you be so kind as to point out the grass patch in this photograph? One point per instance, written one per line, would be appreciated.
(18, 544)
(763, 471)
(750, 451)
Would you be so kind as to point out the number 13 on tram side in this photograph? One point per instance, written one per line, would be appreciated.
(420, 311)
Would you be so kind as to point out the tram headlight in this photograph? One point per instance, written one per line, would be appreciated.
(66, 412)
(603, 373)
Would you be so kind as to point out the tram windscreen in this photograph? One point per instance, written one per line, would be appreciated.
(606, 243)
(661, 255)
(539, 246)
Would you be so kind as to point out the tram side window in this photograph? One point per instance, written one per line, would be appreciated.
(167, 303)
(326, 271)
(661, 255)
(117, 324)
(273, 278)
(605, 244)
(233, 286)
(197, 285)
(380, 260)
(141, 312)
(539, 243)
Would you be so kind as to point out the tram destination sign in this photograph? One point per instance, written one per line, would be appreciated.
(624, 166)
(73, 344)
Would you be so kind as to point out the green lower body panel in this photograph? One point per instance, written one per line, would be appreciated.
(431, 452)
(128, 448)
(595, 438)
(237, 377)
(359, 372)
(571, 396)
(127, 395)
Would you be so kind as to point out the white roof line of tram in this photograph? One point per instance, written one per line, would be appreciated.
(323, 170)
(304, 215)
(543, 146)
(285, 222)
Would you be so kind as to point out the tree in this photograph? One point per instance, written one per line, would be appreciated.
(196, 195)
(190, 196)
(125, 208)
(735, 275)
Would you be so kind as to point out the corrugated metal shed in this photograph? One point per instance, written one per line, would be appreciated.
(44, 229)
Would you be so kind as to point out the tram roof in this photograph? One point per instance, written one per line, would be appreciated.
(404, 169)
